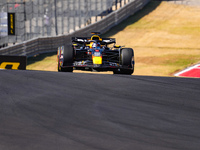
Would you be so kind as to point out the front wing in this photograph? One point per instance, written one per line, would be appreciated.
(105, 66)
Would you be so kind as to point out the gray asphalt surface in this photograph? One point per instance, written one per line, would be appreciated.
(59, 111)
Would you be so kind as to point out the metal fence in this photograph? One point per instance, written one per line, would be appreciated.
(37, 18)
(51, 43)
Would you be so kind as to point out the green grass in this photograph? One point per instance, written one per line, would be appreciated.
(183, 60)
(37, 58)
(189, 30)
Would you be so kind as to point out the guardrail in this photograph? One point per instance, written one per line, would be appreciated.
(50, 44)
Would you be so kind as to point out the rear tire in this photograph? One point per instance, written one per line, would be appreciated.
(126, 59)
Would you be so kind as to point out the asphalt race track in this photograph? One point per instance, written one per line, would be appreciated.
(72, 111)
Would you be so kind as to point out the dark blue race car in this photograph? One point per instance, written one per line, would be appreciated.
(95, 53)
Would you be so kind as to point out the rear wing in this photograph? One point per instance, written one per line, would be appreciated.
(87, 40)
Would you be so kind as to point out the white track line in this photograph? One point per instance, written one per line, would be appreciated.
(188, 69)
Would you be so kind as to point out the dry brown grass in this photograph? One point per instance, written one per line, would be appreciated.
(165, 39)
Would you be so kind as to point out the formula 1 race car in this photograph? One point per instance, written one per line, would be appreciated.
(96, 54)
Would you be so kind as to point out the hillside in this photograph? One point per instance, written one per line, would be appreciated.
(164, 36)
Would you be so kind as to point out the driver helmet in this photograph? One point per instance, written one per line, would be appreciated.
(94, 45)
(98, 45)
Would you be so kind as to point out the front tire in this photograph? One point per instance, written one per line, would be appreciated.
(126, 61)
(68, 59)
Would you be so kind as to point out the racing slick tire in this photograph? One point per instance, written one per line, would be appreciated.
(126, 60)
(68, 59)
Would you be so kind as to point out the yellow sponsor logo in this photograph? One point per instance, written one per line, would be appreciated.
(97, 60)
(11, 24)
(15, 65)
